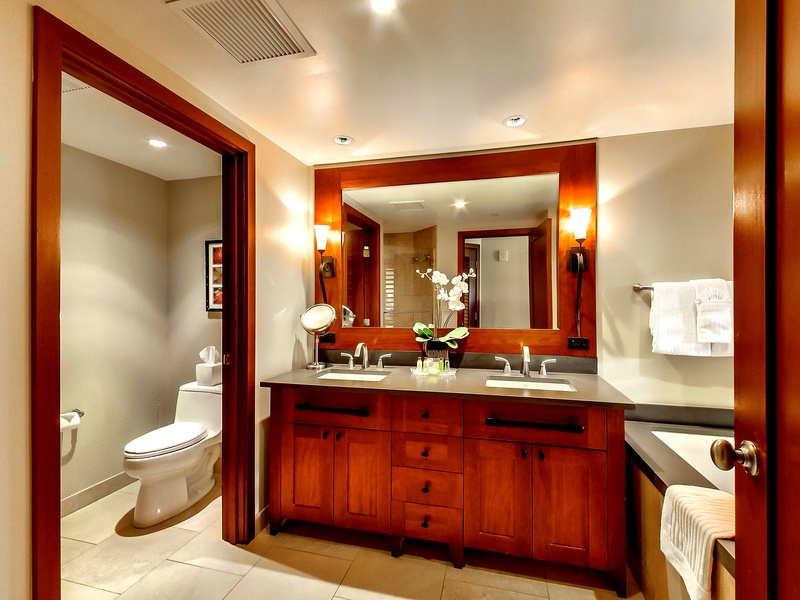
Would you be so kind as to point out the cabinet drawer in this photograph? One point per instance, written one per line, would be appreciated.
(537, 423)
(424, 414)
(422, 486)
(422, 451)
(433, 523)
(337, 408)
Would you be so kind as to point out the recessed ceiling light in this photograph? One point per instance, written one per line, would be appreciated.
(459, 203)
(157, 143)
(383, 6)
(343, 140)
(515, 121)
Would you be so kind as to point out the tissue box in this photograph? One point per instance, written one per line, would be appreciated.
(209, 373)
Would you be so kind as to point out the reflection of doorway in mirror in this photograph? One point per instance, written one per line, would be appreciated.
(471, 315)
(361, 267)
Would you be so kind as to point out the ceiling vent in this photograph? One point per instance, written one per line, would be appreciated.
(408, 205)
(248, 30)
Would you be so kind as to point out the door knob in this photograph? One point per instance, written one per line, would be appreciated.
(725, 456)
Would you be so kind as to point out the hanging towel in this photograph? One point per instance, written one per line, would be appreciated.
(692, 519)
(673, 321)
(714, 311)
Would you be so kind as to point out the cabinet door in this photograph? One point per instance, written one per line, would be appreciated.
(497, 497)
(362, 479)
(307, 472)
(569, 508)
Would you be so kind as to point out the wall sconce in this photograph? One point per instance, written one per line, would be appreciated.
(579, 257)
(326, 268)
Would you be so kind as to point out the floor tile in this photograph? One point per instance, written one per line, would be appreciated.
(99, 520)
(178, 581)
(461, 590)
(502, 572)
(377, 575)
(206, 512)
(118, 562)
(72, 549)
(316, 546)
(291, 575)
(209, 550)
(571, 583)
(132, 488)
(76, 591)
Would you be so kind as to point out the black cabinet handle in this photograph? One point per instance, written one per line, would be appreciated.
(425, 415)
(424, 453)
(562, 427)
(426, 489)
(524, 453)
(337, 410)
(424, 524)
(339, 436)
(325, 435)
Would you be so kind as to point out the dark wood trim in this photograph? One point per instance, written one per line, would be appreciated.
(753, 224)
(58, 47)
(577, 168)
(371, 279)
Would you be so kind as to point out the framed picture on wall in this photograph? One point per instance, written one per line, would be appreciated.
(213, 275)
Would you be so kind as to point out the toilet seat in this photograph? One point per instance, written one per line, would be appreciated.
(166, 439)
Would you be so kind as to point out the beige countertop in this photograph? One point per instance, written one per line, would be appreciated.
(590, 390)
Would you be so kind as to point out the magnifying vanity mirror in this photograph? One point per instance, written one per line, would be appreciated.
(317, 320)
(394, 218)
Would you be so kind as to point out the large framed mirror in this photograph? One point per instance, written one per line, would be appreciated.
(549, 308)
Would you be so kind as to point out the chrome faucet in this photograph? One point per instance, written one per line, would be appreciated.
(349, 358)
(526, 362)
(543, 366)
(506, 366)
(380, 359)
(362, 347)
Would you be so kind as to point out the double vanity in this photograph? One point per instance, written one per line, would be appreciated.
(532, 467)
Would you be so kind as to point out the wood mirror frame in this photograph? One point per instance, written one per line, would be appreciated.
(577, 169)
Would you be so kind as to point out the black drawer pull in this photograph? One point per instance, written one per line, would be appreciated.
(426, 489)
(339, 436)
(424, 453)
(337, 410)
(524, 453)
(425, 415)
(424, 524)
(325, 435)
(564, 427)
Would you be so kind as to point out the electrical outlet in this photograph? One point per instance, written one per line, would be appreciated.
(578, 343)
(327, 338)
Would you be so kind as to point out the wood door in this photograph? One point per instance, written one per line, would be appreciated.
(570, 517)
(362, 480)
(497, 497)
(540, 244)
(470, 317)
(307, 472)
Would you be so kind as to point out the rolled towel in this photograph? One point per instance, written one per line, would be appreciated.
(692, 519)
(713, 298)
(673, 321)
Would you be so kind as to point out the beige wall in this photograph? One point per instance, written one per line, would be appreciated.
(283, 250)
(505, 300)
(113, 311)
(665, 214)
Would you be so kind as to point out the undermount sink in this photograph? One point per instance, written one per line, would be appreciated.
(543, 384)
(355, 374)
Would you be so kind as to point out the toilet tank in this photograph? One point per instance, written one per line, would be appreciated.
(200, 404)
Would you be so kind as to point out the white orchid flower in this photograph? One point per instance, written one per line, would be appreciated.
(439, 278)
(454, 292)
(455, 304)
(456, 280)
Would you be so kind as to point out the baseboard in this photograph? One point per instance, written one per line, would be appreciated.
(93, 493)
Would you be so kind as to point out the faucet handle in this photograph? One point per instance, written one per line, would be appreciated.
(506, 367)
(543, 366)
(380, 359)
(349, 359)
(526, 362)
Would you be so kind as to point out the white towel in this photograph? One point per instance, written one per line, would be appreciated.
(673, 321)
(714, 311)
(692, 519)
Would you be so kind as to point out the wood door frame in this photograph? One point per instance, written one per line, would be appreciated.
(58, 47)
(372, 276)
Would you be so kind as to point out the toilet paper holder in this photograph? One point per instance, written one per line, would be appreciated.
(71, 420)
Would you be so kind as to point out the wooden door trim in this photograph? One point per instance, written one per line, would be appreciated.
(57, 48)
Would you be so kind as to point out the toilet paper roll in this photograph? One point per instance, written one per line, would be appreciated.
(70, 420)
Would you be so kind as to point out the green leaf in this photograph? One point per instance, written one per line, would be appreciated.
(458, 333)
(451, 343)
(423, 331)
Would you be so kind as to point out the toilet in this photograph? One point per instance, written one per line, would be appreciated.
(175, 463)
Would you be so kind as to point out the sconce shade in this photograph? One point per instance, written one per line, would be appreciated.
(321, 235)
(580, 222)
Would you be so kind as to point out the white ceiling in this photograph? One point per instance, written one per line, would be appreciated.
(439, 76)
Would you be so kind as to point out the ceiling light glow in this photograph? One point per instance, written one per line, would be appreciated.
(459, 203)
(515, 121)
(343, 140)
(383, 6)
(157, 143)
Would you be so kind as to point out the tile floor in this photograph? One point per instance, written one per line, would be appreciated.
(104, 557)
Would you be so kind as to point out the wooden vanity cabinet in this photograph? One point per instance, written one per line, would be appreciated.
(335, 475)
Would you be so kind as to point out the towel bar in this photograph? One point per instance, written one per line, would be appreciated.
(638, 287)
